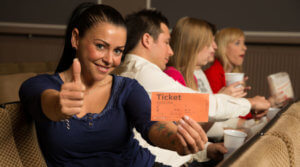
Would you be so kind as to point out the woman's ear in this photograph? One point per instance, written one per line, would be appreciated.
(75, 38)
(147, 40)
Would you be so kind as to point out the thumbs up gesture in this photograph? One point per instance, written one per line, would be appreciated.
(72, 93)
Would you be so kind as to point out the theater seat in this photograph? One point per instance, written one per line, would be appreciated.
(22, 137)
(10, 84)
(9, 155)
(267, 151)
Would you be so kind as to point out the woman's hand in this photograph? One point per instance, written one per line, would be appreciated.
(258, 114)
(216, 151)
(59, 105)
(191, 136)
(184, 137)
(259, 103)
(278, 100)
(236, 90)
(72, 93)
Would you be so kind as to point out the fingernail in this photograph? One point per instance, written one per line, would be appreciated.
(182, 121)
(186, 117)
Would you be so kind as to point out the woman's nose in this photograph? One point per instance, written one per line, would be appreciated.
(108, 58)
(215, 46)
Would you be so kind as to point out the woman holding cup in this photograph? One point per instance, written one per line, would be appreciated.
(229, 57)
(227, 67)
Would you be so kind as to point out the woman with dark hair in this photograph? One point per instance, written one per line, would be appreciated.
(84, 116)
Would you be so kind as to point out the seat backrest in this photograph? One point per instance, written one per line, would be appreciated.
(267, 151)
(280, 144)
(9, 155)
(10, 84)
(294, 110)
(287, 128)
(24, 136)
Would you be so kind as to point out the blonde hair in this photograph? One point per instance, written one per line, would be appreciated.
(223, 38)
(188, 38)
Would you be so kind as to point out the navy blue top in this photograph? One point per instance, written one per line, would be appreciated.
(104, 139)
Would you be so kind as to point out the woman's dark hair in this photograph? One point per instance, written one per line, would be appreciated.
(85, 16)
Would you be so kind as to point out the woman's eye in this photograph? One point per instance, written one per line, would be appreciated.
(118, 51)
(100, 46)
(237, 43)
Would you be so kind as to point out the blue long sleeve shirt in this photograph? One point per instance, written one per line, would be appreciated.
(104, 139)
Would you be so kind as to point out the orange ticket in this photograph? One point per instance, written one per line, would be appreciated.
(173, 106)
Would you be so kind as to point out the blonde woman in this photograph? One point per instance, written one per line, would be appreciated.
(229, 58)
(193, 44)
(186, 49)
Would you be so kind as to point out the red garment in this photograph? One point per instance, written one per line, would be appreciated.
(216, 77)
(176, 75)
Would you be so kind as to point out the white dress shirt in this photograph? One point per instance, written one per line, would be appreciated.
(153, 79)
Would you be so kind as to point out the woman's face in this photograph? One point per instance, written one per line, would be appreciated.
(205, 54)
(212, 57)
(100, 49)
(236, 51)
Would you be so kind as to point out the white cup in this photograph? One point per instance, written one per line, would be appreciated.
(231, 78)
(272, 112)
(233, 139)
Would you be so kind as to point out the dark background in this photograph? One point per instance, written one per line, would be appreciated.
(251, 15)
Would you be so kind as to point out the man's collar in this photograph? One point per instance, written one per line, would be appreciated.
(130, 56)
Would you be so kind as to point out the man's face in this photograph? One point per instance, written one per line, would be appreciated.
(161, 49)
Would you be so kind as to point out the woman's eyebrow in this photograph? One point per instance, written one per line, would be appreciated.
(105, 43)
(120, 47)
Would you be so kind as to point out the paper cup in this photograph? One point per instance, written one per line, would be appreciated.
(272, 113)
(231, 78)
(233, 139)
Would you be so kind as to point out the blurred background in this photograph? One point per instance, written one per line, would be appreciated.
(32, 32)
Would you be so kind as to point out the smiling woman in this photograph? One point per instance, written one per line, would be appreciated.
(84, 116)
(100, 50)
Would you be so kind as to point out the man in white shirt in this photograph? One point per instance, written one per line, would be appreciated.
(147, 53)
(147, 57)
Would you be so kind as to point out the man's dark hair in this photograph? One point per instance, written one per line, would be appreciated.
(139, 23)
